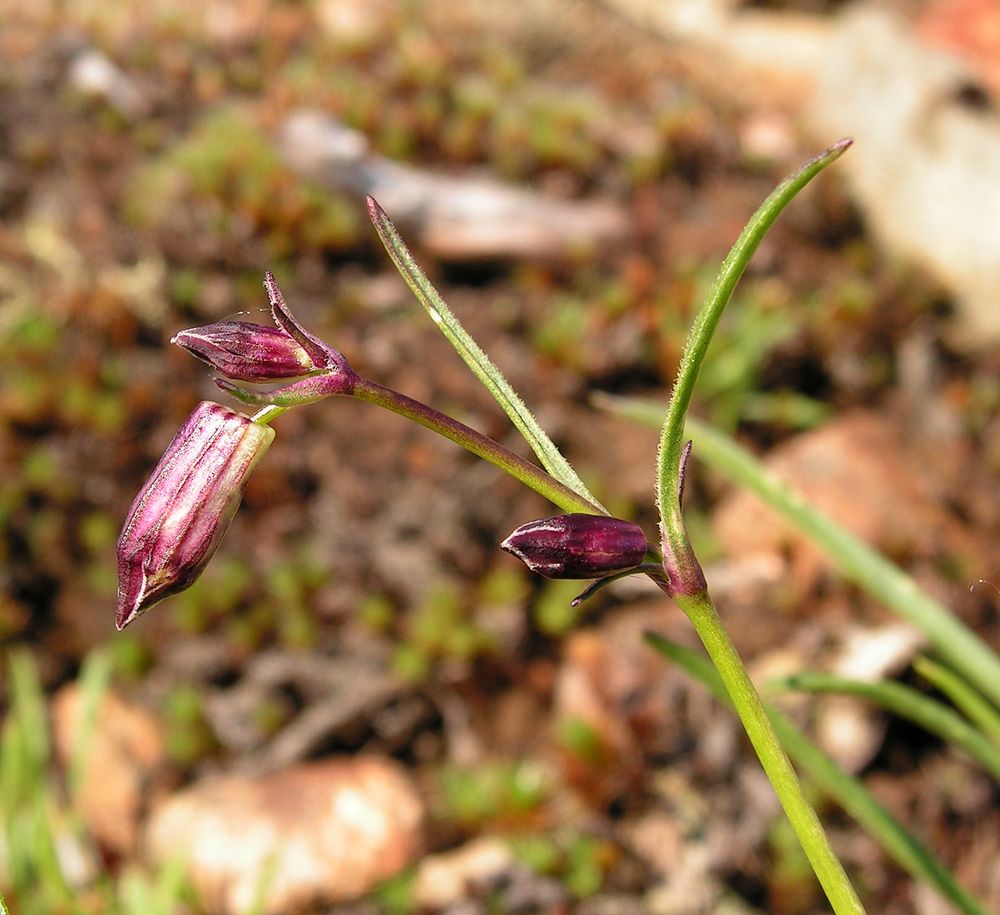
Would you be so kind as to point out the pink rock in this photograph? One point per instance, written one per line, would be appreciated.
(324, 832)
(125, 748)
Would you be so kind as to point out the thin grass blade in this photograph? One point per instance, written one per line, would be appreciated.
(855, 559)
(95, 677)
(971, 703)
(905, 848)
(904, 701)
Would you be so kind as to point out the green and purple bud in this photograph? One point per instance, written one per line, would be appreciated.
(256, 354)
(247, 352)
(578, 546)
(181, 514)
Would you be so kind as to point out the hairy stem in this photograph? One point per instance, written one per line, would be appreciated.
(756, 723)
(531, 475)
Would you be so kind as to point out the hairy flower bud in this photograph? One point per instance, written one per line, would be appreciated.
(181, 514)
(578, 546)
(247, 352)
(256, 354)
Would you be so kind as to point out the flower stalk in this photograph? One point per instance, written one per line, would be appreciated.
(685, 580)
(773, 759)
(531, 475)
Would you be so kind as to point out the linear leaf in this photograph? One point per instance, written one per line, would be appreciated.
(855, 559)
(906, 702)
(905, 848)
(472, 354)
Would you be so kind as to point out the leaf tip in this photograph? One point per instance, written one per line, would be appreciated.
(375, 211)
(832, 152)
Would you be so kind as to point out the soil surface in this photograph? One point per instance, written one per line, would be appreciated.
(363, 565)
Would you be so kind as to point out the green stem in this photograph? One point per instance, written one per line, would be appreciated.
(672, 436)
(483, 446)
(748, 705)
(266, 415)
(529, 474)
(932, 716)
(685, 581)
(907, 850)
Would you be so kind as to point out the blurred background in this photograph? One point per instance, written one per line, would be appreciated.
(570, 174)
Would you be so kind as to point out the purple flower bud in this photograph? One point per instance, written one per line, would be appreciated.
(578, 546)
(183, 511)
(247, 352)
(253, 353)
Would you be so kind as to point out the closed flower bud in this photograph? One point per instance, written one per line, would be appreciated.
(256, 354)
(578, 546)
(247, 352)
(181, 514)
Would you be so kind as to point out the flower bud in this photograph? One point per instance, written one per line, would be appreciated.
(181, 514)
(256, 354)
(247, 352)
(578, 546)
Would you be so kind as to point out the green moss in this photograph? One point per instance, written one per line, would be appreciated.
(188, 736)
(579, 861)
(185, 286)
(395, 895)
(410, 664)
(586, 860)
(40, 468)
(559, 335)
(31, 332)
(554, 611)
(270, 715)
(297, 628)
(377, 612)
(501, 587)
(227, 175)
(579, 738)
(499, 792)
(443, 626)
(131, 658)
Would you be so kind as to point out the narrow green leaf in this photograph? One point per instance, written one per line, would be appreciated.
(976, 708)
(700, 336)
(30, 820)
(28, 706)
(95, 677)
(13, 769)
(906, 702)
(855, 559)
(898, 842)
(164, 891)
(265, 880)
(474, 357)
